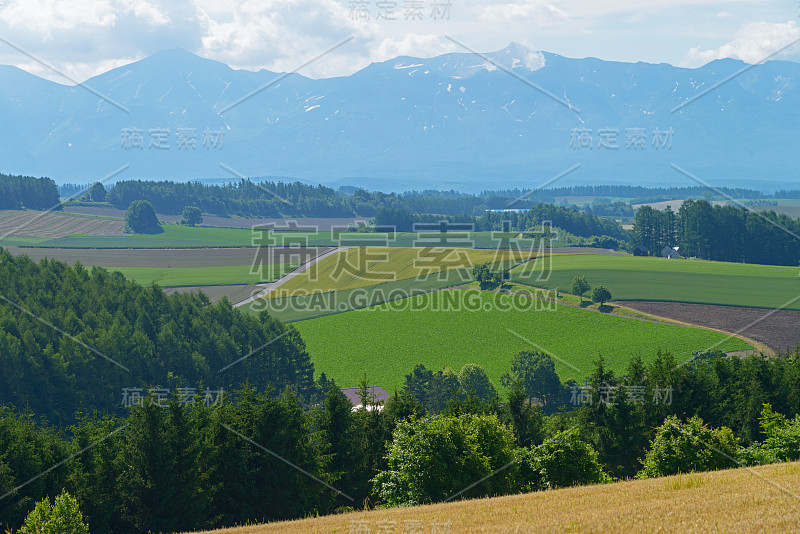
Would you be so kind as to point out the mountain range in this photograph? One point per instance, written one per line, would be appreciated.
(511, 118)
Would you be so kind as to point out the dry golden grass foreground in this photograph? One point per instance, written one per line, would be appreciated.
(760, 499)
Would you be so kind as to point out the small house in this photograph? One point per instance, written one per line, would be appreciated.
(376, 396)
(641, 250)
(670, 253)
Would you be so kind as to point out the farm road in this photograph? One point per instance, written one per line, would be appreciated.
(288, 276)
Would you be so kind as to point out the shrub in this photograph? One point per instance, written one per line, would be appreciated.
(437, 457)
(782, 436)
(561, 461)
(686, 447)
(61, 517)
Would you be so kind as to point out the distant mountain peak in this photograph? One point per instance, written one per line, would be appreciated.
(518, 56)
(417, 122)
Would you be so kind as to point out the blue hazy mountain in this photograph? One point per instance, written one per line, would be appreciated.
(452, 121)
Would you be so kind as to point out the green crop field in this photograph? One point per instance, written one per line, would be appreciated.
(196, 276)
(366, 266)
(386, 341)
(650, 278)
(289, 307)
(173, 236)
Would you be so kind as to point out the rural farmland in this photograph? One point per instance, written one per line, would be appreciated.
(281, 266)
(394, 337)
(697, 281)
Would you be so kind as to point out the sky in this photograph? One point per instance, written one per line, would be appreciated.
(71, 41)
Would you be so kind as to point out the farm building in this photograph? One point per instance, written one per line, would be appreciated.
(641, 250)
(670, 252)
(377, 396)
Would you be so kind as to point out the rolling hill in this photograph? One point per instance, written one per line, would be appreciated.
(736, 500)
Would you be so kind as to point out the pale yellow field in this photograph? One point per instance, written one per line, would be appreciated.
(367, 266)
(760, 499)
(50, 225)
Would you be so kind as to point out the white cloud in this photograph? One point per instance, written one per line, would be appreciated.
(47, 16)
(282, 34)
(752, 43)
(85, 37)
(536, 12)
(149, 13)
(413, 44)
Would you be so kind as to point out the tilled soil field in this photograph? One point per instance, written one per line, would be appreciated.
(43, 224)
(778, 329)
(323, 224)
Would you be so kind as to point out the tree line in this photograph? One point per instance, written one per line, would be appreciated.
(17, 192)
(638, 193)
(720, 233)
(573, 221)
(276, 199)
(260, 456)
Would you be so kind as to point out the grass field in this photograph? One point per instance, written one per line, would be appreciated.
(377, 265)
(386, 341)
(758, 499)
(173, 235)
(300, 307)
(197, 276)
(704, 282)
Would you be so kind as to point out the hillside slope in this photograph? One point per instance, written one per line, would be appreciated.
(763, 499)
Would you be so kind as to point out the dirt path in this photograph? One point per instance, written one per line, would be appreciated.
(288, 276)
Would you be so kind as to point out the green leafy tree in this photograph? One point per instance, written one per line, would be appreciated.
(475, 382)
(782, 436)
(141, 218)
(489, 279)
(561, 461)
(191, 216)
(527, 421)
(432, 390)
(63, 516)
(687, 447)
(98, 192)
(601, 295)
(437, 457)
(580, 286)
(536, 372)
